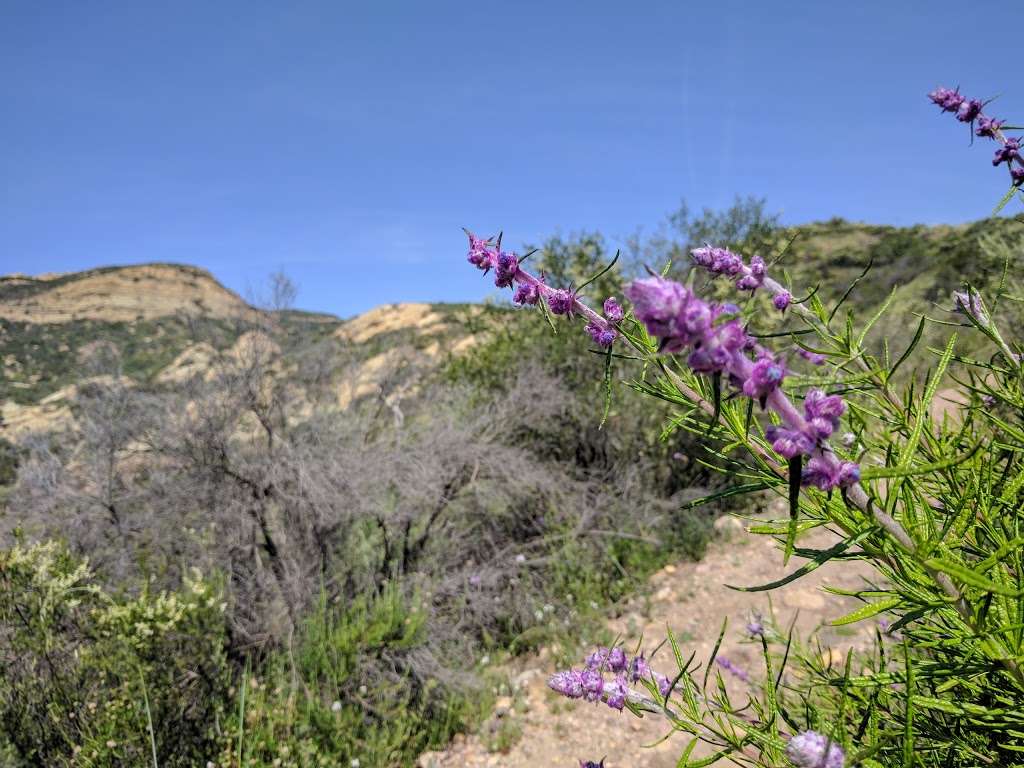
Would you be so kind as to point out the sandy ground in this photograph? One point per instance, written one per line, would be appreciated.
(693, 600)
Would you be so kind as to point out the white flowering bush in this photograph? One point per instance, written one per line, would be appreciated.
(93, 679)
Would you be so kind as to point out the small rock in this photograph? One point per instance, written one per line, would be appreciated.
(524, 678)
(503, 706)
(670, 569)
(728, 526)
(663, 594)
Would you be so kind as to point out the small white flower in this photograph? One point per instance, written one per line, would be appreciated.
(336, 706)
(520, 558)
(354, 762)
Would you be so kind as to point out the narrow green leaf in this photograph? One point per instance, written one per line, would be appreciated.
(871, 473)
(607, 383)
(714, 653)
(1005, 199)
(822, 557)
(969, 577)
(910, 348)
(925, 403)
(849, 290)
(716, 393)
(736, 490)
(908, 720)
(874, 319)
(866, 611)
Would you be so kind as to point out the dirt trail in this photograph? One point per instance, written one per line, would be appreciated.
(691, 598)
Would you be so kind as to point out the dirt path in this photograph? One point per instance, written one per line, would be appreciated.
(692, 599)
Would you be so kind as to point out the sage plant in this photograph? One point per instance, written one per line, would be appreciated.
(796, 397)
(1008, 148)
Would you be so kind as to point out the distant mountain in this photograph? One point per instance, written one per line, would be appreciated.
(118, 294)
(166, 323)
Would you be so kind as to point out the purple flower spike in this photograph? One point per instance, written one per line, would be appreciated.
(506, 270)
(657, 302)
(1017, 176)
(663, 683)
(781, 300)
(738, 672)
(591, 764)
(789, 443)
(602, 336)
(615, 693)
(949, 100)
(765, 377)
(849, 474)
(811, 749)
(826, 472)
(754, 276)
(638, 668)
(813, 357)
(613, 311)
(593, 684)
(988, 126)
(755, 627)
(617, 660)
(479, 253)
(970, 305)
(526, 293)
(562, 302)
(1007, 153)
(819, 405)
(969, 111)
(568, 683)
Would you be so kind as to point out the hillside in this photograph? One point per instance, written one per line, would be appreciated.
(167, 323)
(118, 294)
(154, 313)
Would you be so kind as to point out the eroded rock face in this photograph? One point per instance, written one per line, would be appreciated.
(391, 317)
(118, 294)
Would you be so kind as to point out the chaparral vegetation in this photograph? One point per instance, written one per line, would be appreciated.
(261, 537)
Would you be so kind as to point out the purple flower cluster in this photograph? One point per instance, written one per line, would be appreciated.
(530, 290)
(970, 111)
(681, 320)
(811, 749)
(590, 682)
(969, 303)
(733, 669)
(749, 277)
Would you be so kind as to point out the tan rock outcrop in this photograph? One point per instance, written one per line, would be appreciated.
(118, 294)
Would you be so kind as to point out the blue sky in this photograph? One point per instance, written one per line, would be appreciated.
(347, 143)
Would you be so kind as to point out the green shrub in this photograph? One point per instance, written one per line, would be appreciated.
(92, 679)
(347, 692)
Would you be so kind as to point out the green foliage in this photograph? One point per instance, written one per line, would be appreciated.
(936, 517)
(8, 461)
(85, 675)
(342, 693)
(44, 357)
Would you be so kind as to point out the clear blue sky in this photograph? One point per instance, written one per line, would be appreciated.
(347, 143)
